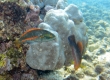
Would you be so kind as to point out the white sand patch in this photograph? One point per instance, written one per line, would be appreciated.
(104, 57)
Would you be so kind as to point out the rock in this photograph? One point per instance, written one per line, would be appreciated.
(90, 31)
(87, 57)
(90, 42)
(61, 4)
(88, 23)
(86, 64)
(93, 47)
(90, 72)
(71, 78)
(101, 51)
(103, 76)
(99, 68)
(103, 23)
(79, 73)
(100, 34)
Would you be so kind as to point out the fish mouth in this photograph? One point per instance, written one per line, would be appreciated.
(77, 49)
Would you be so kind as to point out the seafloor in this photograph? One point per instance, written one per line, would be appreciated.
(95, 63)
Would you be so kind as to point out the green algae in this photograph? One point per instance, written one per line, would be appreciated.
(2, 77)
(2, 60)
(13, 53)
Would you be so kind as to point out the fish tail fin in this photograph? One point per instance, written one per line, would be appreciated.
(77, 64)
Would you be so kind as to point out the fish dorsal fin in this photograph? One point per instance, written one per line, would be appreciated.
(29, 30)
(80, 46)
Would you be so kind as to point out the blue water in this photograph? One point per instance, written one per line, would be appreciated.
(93, 10)
(97, 3)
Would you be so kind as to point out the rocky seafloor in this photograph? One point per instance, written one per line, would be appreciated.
(95, 63)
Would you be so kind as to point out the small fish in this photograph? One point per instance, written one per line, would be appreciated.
(77, 49)
(36, 35)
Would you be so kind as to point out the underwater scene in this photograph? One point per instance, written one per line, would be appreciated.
(54, 40)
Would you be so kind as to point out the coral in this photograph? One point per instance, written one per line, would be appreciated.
(103, 23)
(22, 75)
(103, 76)
(74, 14)
(9, 59)
(52, 58)
(43, 3)
(59, 48)
(32, 17)
(12, 12)
(12, 52)
(4, 64)
(48, 55)
(12, 17)
(52, 2)
(61, 4)
(11, 26)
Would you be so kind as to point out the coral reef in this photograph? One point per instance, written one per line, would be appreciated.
(32, 17)
(60, 50)
(21, 60)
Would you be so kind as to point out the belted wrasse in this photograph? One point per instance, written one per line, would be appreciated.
(77, 49)
(36, 35)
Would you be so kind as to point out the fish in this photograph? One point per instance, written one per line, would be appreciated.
(36, 35)
(77, 49)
